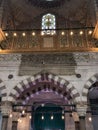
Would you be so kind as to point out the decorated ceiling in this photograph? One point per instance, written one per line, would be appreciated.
(69, 13)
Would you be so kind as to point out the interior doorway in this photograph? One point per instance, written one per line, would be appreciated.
(48, 117)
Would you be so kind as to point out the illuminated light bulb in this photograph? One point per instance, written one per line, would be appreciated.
(63, 33)
(30, 117)
(15, 34)
(23, 34)
(90, 32)
(6, 34)
(90, 119)
(63, 117)
(10, 115)
(33, 33)
(81, 32)
(52, 117)
(42, 117)
(71, 33)
(23, 112)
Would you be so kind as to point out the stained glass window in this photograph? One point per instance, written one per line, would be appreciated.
(48, 24)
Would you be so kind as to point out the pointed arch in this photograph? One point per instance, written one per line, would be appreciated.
(86, 87)
(65, 87)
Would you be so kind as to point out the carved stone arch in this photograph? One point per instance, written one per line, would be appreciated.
(3, 91)
(88, 84)
(65, 89)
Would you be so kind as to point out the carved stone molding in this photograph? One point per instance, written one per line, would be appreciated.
(81, 110)
(6, 108)
(64, 58)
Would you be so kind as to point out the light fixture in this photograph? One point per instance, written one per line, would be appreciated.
(81, 32)
(42, 117)
(23, 34)
(23, 112)
(63, 33)
(63, 117)
(71, 33)
(15, 34)
(33, 33)
(10, 115)
(90, 32)
(30, 117)
(6, 34)
(52, 117)
(90, 119)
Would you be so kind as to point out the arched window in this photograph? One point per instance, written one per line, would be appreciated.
(48, 23)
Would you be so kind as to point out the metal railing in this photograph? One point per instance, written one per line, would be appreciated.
(41, 41)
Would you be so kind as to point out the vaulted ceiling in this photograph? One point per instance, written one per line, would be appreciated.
(69, 13)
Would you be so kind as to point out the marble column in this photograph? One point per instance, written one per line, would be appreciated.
(15, 120)
(77, 125)
(6, 109)
(76, 120)
(81, 110)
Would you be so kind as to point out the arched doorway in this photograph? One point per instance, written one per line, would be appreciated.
(48, 117)
(44, 88)
(93, 100)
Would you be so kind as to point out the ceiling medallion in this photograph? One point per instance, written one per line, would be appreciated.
(47, 3)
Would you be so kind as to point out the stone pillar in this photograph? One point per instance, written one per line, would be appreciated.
(81, 110)
(15, 120)
(77, 125)
(76, 120)
(6, 109)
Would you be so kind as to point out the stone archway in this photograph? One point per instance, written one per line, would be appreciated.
(27, 90)
(3, 90)
(29, 83)
(88, 84)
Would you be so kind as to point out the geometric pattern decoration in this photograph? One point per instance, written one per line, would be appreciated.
(88, 84)
(2, 90)
(27, 88)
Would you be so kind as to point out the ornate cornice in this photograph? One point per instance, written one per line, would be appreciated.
(58, 58)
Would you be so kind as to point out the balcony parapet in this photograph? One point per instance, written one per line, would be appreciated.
(63, 40)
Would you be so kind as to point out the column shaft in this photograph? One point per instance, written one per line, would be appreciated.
(4, 122)
(14, 125)
(82, 123)
(6, 109)
(77, 126)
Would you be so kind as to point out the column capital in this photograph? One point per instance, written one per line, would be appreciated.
(81, 110)
(6, 108)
